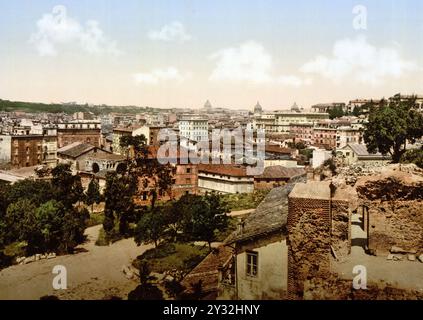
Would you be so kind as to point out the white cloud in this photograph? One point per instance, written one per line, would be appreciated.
(356, 59)
(57, 29)
(174, 31)
(249, 62)
(158, 75)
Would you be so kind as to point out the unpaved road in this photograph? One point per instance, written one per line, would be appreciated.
(94, 273)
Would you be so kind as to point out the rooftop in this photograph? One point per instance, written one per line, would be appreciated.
(223, 169)
(75, 149)
(270, 216)
(281, 172)
(311, 190)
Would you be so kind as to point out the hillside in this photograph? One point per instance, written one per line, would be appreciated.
(34, 107)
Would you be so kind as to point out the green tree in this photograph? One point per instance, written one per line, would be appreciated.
(93, 194)
(203, 216)
(413, 156)
(67, 187)
(19, 223)
(119, 205)
(146, 290)
(150, 174)
(391, 126)
(151, 227)
(336, 112)
(38, 192)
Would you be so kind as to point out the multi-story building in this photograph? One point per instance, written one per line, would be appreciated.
(302, 132)
(324, 135)
(326, 107)
(281, 121)
(346, 135)
(194, 127)
(151, 134)
(26, 150)
(85, 131)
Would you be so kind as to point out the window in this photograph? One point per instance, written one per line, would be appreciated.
(188, 170)
(252, 264)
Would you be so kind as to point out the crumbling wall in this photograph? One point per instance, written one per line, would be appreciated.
(395, 208)
(308, 242)
(333, 288)
(341, 228)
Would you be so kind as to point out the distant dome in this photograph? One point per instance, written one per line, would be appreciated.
(258, 108)
(208, 105)
(295, 107)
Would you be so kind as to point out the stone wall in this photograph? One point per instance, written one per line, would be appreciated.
(395, 208)
(341, 227)
(308, 236)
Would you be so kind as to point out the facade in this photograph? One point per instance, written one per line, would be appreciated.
(224, 179)
(21, 150)
(281, 122)
(77, 153)
(260, 252)
(100, 161)
(357, 153)
(120, 132)
(26, 150)
(194, 128)
(324, 137)
(302, 132)
(79, 131)
(346, 135)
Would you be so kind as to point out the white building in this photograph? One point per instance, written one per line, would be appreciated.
(346, 135)
(194, 127)
(280, 122)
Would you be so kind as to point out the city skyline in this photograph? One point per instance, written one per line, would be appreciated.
(165, 54)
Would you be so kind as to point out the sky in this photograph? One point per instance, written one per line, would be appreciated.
(169, 53)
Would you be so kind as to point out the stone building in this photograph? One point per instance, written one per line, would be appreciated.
(77, 153)
(304, 240)
(26, 150)
(85, 131)
(260, 252)
(276, 176)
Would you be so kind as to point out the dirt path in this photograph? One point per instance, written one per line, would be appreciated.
(93, 273)
(240, 212)
(402, 274)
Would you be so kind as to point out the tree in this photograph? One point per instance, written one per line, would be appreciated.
(19, 223)
(151, 175)
(151, 227)
(146, 290)
(119, 206)
(203, 216)
(67, 187)
(336, 112)
(93, 194)
(413, 156)
(391, 126)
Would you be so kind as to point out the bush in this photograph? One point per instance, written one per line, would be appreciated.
(182, 257)
(413, 156)
(102, 240)
(95, 219)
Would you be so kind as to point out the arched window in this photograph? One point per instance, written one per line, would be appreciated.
(96, 167)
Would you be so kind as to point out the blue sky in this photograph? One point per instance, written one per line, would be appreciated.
(180, 53)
